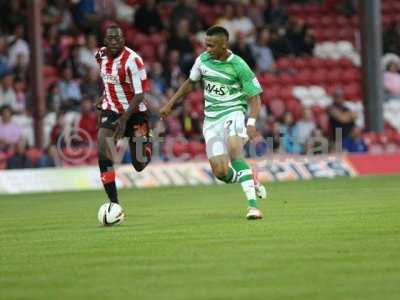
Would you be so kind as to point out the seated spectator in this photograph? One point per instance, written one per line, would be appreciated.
(262, 53)
(317, 143)
(185, 9)
(354, 142)
(391, 79)
(341, 119)
(181, 42)
(147, 18)
(301, 38)
(242, 24)
(7, 92)
(4, 65)
(275, 13)
(88, 120)
(10, 132)
(290, 135)
(305, 125)
(52, 46)
(271, 133)
(191, 122)
(307, 48)
(50, 158)
(91, 85)
(159, 85)
(53, 101)
(242, 48)
(19, 159)
(69, 90)
(279, 44)
(20, 96)
(57, 132)
(87, 52)
(19, 48)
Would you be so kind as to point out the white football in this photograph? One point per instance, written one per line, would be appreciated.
(110, 214)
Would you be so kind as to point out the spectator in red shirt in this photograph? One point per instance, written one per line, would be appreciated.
(88, 121)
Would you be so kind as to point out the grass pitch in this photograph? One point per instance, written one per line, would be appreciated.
(322, 239)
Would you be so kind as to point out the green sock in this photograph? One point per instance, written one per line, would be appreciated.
(245, 177)
(230, 176)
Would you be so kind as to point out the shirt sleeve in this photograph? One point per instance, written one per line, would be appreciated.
(195, 74)
(137, 75)
(250, 85)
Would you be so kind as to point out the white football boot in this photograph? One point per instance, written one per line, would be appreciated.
(254, 214)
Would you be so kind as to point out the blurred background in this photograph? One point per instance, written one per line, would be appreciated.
(306, 54)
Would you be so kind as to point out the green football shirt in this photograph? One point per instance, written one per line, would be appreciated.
(226, 84)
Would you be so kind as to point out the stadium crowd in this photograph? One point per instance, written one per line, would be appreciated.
(168, 35)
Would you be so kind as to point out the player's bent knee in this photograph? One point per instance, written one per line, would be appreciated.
(220, 171)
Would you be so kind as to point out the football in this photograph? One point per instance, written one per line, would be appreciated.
(110, 214)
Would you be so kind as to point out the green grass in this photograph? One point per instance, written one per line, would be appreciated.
(322, 239)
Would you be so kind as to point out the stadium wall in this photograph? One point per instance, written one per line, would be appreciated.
(278, 168)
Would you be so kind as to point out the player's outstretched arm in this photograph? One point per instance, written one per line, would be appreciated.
(180, 94)
(255, 108)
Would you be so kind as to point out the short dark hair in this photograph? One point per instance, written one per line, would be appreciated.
(5, 107)
(217, 30)
(114, 26)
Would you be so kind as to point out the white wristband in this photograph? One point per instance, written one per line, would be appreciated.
(251, 122)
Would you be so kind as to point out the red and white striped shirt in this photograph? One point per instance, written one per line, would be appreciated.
(123, 77)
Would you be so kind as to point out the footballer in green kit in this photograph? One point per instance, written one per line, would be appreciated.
(230, 87)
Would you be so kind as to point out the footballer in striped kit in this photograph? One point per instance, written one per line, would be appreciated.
(123, 112)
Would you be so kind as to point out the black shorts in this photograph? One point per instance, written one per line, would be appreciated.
(137, 125)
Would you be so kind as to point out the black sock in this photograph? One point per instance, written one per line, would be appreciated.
(107, 175)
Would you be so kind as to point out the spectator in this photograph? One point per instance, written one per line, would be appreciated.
(86, 56)
(274, 13)
(306, 126)
(290, 135)
(190, 121)
(340, 117)
(10, 132)
(88, 121)
(147, 18)
(4, 65)
(254, 11)
(7, 92)
(301, 38)
(391, 79)
(354, 142)
(262, 53)
(91, 85)
(58, 129)
(20, 96)
(19, 159)
(181, 41)
(185, 9)
(12, 14)
(172, 69)
(159, 85)
(271, 133)
(69, 89)
(50, 158)
(53, 51)
(243, 49)
(53, 100)
(243, 24)
(391, 39)
(279, 44)
(317, 143)
(308, 45)
(19, 48)
(228, 22)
